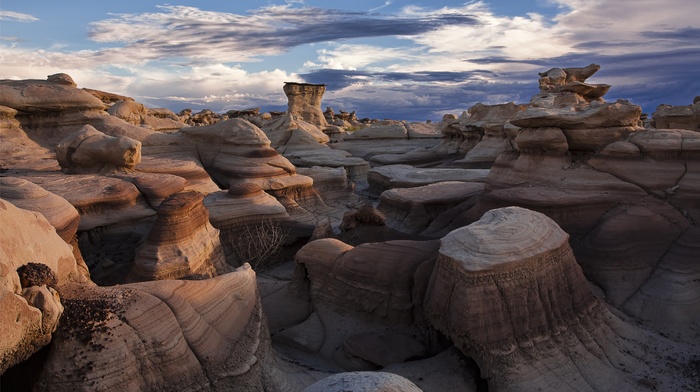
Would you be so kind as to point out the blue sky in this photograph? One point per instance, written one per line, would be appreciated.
(413, 60)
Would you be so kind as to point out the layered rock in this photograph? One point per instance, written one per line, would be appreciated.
(383, 281)
(182, 243)
(40, 96)
(31, 306)
(404, 176)
(678, 117)
(363, 381)
(91, 151)
(507, 290)
(304, 100)
(166, 335)
(162, 120)
(412, 210)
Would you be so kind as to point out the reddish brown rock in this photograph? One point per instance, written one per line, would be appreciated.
(182, 243)
(91, 151)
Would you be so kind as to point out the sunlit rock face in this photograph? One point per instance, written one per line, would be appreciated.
(91, 151)
(305, 102)
(182, 243)
(34, 263)
(170, 335)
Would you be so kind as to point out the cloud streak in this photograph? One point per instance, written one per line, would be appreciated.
(11, 16)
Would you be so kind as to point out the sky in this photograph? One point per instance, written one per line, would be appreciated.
(413, 60)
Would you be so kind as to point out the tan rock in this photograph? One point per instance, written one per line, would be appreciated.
(182, 243)
(305, 102)
(390, 131)
(405, 176)
(166, 335)
(678, 117)
(542, 140)
(36, 96)
(411, 210)
(618, 114)
(90, 151)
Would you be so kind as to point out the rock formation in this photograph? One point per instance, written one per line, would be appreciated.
(363, 381)
(91, 151)
(182, 243)
(678, 117)
(404, 176)
(305, 102)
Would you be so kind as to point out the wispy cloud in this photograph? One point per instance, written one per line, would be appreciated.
(386, 4)
(11, 16)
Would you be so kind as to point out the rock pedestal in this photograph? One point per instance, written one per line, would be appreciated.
(305, 102)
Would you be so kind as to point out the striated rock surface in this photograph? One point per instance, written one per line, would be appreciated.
(172, 335)
(53, 95)
(90, 151)
(405, 176)
(162, 120)
(182, 243)
(29, 196)
(412, 210)
(380, 280)
(363, 381)
(34, 262)
(305, 102)
(539, 307)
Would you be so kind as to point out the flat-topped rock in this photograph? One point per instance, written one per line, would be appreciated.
(411, 210)
(100, 200)
(405, 176)
(36, 96)
(618, 114)
(363, 381)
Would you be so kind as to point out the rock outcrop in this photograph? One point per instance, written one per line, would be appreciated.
(678, 117)
(363, 381)
(182, 243)
(170, 335)
(305, 102)
(31, 305)
(91, 151)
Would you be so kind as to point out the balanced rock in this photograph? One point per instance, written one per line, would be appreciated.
(89, 151)
(305, 102)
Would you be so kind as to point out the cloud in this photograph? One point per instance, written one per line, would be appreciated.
(11, 16)
(201, 35)
(386, 4)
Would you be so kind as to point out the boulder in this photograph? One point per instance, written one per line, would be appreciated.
(91, 151)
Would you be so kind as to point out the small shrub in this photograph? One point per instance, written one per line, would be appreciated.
(260, 245)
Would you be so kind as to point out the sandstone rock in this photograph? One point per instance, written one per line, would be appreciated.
(391, 131)
(155, 187)
(363, 381)
(30, 312)
(678, 117)
(108, 99)
(422, 130)
(307, 336)
(305, 102)
(135, 113)
(542, 140)
(100, 200)
(29, 196)
(36, 96)
(364, 216)
(539, 306)
(383, 349)
(382, 281)
(182, 243)
(89, 151)
(411, 210)
(207, 334)
(405, 176)
(618, 114)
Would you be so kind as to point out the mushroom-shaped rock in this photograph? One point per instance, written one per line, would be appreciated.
(507, 280)
(363, 382)
(182, 243)
(304, 100)
(90, 150)
(166, 335)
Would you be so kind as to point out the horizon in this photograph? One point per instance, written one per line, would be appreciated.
(382, 59)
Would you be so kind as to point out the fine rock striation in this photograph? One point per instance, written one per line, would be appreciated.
(508, 292)
(182, 243)
(305, 102)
